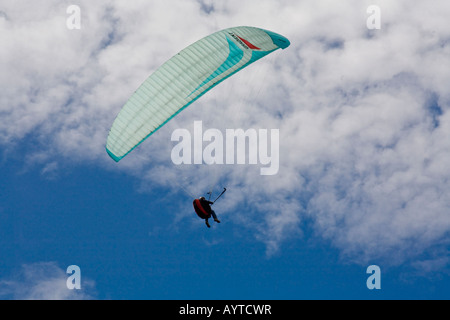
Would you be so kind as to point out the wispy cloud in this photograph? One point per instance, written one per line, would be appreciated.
(43, 281)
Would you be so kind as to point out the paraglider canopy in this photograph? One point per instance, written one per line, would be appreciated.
(183, 79)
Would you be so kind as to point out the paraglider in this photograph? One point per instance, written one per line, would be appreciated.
(182, 80)
(185, 78)
(203, 209)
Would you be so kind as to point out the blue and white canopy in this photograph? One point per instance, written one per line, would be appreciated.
(183, 79)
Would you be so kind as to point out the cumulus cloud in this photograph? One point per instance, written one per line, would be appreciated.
(363, 114)
(43, 281)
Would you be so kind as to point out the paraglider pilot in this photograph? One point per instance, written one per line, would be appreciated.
(203, 209)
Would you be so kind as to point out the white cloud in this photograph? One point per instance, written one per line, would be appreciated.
(363, 115)
(44, 281)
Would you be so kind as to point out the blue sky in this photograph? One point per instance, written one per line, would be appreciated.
(133, 251)
(73, 220)
(363, 179)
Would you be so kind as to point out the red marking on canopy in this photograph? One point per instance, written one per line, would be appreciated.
(251, 46)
